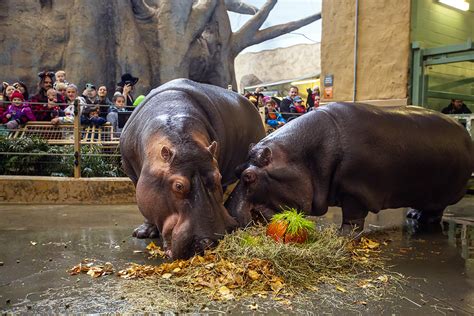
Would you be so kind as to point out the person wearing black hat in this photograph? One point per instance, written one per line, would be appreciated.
(125, 87)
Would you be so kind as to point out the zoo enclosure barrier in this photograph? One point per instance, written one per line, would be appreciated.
(68, 149)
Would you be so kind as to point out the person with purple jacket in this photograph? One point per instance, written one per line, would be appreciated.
(18, 112)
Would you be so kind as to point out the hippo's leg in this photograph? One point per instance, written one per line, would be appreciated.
(146, 230)
(353, 215)
(426, 217)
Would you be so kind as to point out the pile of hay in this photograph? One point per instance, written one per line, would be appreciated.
(248, 264)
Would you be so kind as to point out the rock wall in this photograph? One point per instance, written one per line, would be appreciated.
(92, 40)
(287, 63)
(56, 190)
(383, 49)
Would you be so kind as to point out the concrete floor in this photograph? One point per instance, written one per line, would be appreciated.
(39, 243)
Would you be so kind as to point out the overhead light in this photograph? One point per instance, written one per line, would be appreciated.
(458, 4)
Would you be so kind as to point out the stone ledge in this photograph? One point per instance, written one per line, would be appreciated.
(62, 190)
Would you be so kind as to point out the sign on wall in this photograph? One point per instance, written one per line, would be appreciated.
(328, 80)
(328, 85)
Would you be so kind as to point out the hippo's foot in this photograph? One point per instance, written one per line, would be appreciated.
(352, 228)
(424, 221)
(146, 230)
(425, 217)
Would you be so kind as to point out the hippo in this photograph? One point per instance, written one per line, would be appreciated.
(180, 147)
(361, 158)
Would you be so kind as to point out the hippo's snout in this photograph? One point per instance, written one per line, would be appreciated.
(204, 244)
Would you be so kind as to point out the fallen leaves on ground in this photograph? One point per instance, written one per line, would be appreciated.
(210, 272)
(90, 267)
(155, 251)
(254, 265)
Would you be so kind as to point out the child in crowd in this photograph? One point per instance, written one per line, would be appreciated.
(90, 116)
(272, 116)
(297, 106)
(52, 109)
(119, 106)
(17, 113)
(60, 77)
(61, 88)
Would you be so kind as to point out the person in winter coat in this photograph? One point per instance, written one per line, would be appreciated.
(456, 107)
(272, 116)
(18, 113)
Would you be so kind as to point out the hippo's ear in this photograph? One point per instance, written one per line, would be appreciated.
(166, 154)
(265, 157)
(240, 169)
(5, 85)
(213, 149)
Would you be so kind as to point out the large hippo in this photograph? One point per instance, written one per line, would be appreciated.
(179, 147)
(361, 158)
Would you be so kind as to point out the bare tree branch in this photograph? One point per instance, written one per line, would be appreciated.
(240, 7)
(200, 15)
(274, 31)
(143, 11)
(251, 27)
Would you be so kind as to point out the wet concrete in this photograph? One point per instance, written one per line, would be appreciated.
(38, 244)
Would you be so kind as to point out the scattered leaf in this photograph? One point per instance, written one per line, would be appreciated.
(383, 278)
(341, 289)
(254, 275)
(253, 307)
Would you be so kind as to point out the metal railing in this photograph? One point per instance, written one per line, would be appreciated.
(69, 149)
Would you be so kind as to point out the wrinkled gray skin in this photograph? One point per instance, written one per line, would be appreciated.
(359, 157)
(179, 147)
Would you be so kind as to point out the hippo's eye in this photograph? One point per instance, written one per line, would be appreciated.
(179, 187)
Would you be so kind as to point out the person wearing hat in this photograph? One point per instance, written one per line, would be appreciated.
(125, 87)
(90, 94)
(17, 112)
(297, 107)
(40, 99)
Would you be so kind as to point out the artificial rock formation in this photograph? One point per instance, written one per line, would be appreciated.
(156, 40)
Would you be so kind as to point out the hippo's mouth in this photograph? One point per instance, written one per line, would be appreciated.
(262, 214)
(197, 247)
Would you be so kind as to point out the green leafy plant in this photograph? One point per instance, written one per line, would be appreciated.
(49, 160)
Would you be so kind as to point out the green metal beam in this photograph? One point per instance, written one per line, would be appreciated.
(449, 49)
(453, 84)
(446, 59)
(449, 95)
(417, 75)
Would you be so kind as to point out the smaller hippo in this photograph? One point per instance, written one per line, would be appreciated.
(359, 157)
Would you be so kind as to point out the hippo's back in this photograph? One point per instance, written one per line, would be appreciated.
(401, 156)
(230, 119)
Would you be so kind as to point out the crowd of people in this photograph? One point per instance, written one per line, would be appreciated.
(55, 98)
(279, 112)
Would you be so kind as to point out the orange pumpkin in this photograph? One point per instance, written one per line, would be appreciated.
(290, 227)
(299, 237)
(277, 230)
